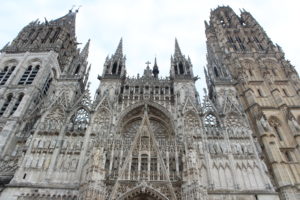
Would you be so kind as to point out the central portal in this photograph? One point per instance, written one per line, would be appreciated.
(143, 197)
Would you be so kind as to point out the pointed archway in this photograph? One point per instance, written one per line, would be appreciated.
(143, 192)
(144, 141)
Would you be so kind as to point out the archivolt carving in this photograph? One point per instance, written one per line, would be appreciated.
(143, 192)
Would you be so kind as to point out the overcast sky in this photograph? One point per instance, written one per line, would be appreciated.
(149, 28)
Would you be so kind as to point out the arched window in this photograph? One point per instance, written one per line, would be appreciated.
(250, 72)
(175, 69)
(134, 165)
(5, 74)
(77, 70)
(288, 156)
(285, 92)
(119, 69)
(47, 85)
(275, 123)
(210, 120)
(259, 93)
(29, 75)
(216, 72)
(6, 103)
(17, 103)
(81, 119)
(181, 69)
(114, 69)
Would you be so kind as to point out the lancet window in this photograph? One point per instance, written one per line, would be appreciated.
(17, 103)
(47, 85)
(6, 103)
(29, 75)
(5, 74)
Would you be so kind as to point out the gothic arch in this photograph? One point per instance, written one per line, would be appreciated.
(143, 103)
(234, 119)
(192, 120)
(74, 111)
(34, 62)
(11, 62)
(143, 191)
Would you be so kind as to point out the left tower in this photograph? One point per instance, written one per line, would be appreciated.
(40, 70)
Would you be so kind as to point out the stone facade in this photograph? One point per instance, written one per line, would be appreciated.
(147, 137)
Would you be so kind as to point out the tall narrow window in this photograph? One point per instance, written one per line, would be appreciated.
(242, 47)
(119, 69)
(47, 85)
(285, 92)
(288, 156)
(114, 69)
(29, 75)
(134, 164)
(77, 70)
(17, 104)
(238, 39)
(250, 72)
(5, 105)
(181, 69)
(5, 74)
(230, 39)
(259, 93)
(175, 69)
(216, 72)
(277, 131)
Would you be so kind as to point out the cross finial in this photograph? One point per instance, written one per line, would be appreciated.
(148, 63)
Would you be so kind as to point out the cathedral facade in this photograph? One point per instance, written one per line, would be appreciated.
(149, 137)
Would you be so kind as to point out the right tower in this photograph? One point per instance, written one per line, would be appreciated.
(240, 55)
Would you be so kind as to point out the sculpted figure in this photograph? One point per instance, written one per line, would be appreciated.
(192, 158)
(264, 123)
(296, 124)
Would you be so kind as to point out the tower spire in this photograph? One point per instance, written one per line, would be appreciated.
(85, 51)
(119, 51)
(155, 70)
(177, 48)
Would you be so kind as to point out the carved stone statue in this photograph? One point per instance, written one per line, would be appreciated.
(296, 124)
(264, 123)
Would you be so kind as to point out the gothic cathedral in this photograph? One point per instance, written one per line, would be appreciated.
(149, 137)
